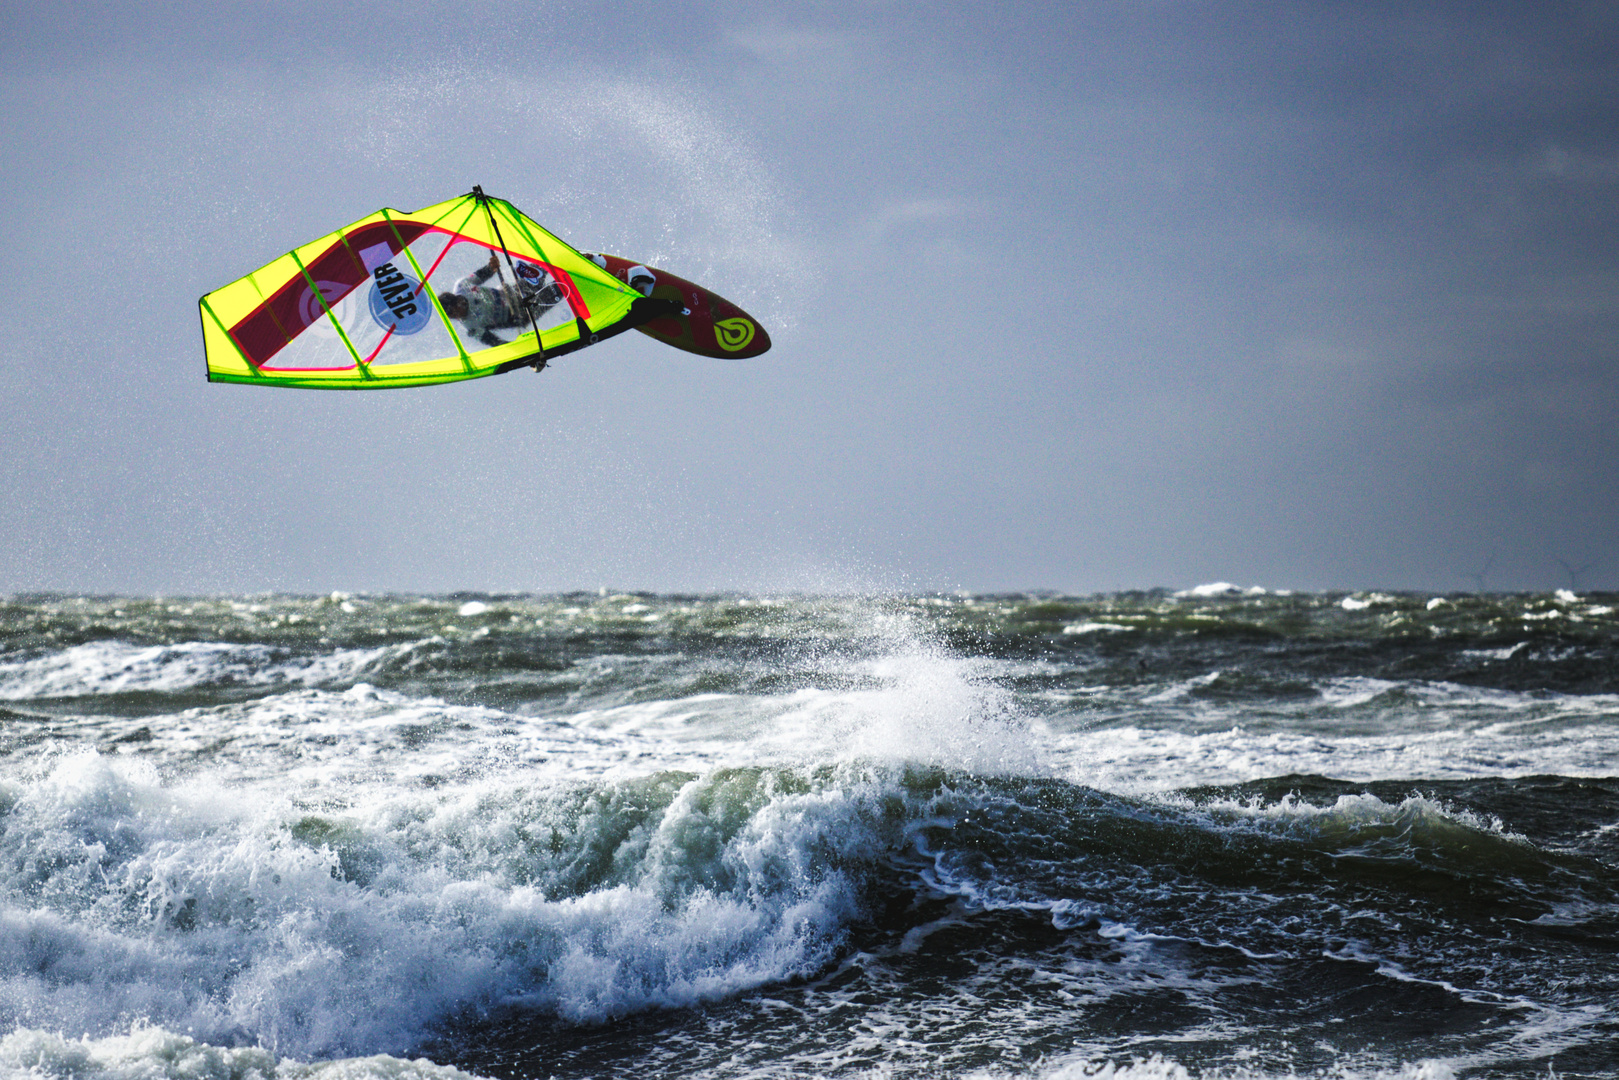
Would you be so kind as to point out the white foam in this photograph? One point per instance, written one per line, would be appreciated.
(1505, 652)
(1213, 588)
(1088, 1065)
(1226, 588)
(1177, 690)
(1361, 603)
(115, 667)
(1356, 690)
(1347, 815)
(226, 909)
(923, 707)
(1135, 759)
(152, 1053)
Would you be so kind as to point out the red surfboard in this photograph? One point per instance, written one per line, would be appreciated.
(713, 326)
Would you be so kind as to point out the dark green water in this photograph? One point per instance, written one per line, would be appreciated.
(585, 835)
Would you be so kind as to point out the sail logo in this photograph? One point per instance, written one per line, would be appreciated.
(733, 334)
(396, 302)
(312, 308)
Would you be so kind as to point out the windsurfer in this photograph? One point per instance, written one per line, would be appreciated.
(484, 309)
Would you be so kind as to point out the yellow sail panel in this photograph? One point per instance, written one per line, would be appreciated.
(458, 290)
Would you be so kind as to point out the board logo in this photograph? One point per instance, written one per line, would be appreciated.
(396, 302)
(733, 334)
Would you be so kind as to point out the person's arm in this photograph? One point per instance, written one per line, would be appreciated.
(478, 276)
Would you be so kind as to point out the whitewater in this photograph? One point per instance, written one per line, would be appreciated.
(1218, 833)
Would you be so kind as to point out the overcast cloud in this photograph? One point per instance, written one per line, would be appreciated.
(1068, 296)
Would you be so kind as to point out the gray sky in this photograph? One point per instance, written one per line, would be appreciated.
(1070, 296)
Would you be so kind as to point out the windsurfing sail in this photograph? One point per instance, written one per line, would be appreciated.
(465, 288)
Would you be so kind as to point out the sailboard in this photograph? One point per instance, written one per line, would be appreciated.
(706, 323)
(462, 289)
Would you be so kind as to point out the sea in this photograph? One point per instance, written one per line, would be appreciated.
(1221, 832)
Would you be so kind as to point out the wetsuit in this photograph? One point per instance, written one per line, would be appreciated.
(491, 309)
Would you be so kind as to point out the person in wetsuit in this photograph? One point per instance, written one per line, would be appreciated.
(485, 309)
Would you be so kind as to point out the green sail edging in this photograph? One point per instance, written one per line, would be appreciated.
(336, 325)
